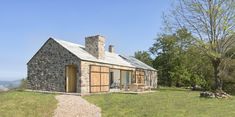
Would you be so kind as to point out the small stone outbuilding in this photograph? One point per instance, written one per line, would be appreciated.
(68, 67)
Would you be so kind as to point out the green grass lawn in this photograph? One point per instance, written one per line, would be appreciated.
(26, 104)
(162, 103)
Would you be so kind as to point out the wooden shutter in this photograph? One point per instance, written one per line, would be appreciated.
(140, 76)
(99, 79)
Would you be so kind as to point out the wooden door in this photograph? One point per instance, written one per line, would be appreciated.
(99, 79)
(71, 78)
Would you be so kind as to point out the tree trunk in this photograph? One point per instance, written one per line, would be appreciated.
(218, 81)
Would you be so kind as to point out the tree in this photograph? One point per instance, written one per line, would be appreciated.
(200, 68)
(144, 56)
(228, 73)
(212, 23)
(176, 60)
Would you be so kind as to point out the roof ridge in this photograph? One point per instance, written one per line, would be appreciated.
(60, 40)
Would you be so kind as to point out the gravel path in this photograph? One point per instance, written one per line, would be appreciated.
(75, 106)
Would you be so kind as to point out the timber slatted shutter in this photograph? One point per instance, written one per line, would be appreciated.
(139, 76)
(99, 79)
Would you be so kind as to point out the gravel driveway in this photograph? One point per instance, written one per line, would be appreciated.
(75, 106)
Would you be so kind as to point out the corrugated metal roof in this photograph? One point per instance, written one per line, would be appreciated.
(137, 63)
(80, 52)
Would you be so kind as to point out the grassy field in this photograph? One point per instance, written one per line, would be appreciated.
(162, 103)
(26, 104)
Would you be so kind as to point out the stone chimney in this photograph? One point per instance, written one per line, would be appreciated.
(95, 46)
(111, 48)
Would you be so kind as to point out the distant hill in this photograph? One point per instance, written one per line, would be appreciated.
(6, 85)
(2, 88)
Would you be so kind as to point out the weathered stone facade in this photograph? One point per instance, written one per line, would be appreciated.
(150, 78)
(95, 46)
(46, 70)
(85, 68)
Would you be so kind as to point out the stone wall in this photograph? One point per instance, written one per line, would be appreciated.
(150, 79)
(46, 70)
(85, 68)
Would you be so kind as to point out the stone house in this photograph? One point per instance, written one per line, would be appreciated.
(68, 67)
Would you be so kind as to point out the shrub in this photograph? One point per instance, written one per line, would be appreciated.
(229, 87)
(23, 85)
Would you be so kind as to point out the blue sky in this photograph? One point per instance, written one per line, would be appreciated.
(130, 25)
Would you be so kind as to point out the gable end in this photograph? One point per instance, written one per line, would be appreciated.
(50, 39)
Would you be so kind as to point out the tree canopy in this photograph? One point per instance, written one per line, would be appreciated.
(212, 24)
(144, 56)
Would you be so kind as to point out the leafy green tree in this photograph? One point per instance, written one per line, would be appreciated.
(179, 62)
(212, 23)
(144, 56)
(228, 74)
(200, 68)
(164, 50)
(172, 58)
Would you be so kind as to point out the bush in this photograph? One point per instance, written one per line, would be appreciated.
(229, 87)
(23, 85)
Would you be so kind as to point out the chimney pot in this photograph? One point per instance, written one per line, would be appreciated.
(111, 48)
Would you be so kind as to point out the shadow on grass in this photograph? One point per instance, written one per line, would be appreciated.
(172, 89)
